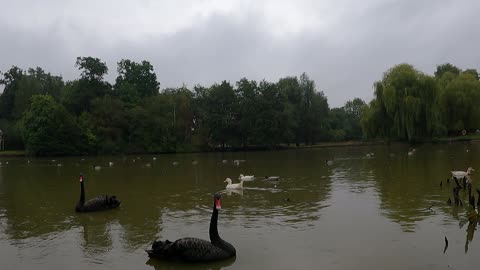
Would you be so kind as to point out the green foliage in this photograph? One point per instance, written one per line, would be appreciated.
(48, 129)
(135, 81)
(345, 121)
(109, 120)
(410, 105)
(404, 105)
(459, 101)
(93, 69)
(12, 134)
(88, 115)
(20, 86)
(220, 117)
(444, 68)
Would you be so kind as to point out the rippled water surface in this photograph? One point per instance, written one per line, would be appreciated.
(386, 211)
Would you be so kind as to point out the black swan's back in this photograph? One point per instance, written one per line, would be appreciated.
(188, 250)
(99, 203)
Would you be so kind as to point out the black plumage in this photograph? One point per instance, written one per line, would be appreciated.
(99, 203)
(478, 202)
(194, 249)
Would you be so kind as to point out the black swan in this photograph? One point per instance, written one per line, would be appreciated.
(99, 203)
(194, 249)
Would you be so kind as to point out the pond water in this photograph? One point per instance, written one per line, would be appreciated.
(385, 211)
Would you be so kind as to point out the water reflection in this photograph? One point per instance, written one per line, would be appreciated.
(162, 265)
(275, 223)
(96, 233)
(472, 227)
(229, 192)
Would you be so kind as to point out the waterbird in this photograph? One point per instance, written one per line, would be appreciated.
(246, 177)
(233, 186)
(110, 164)
(193, 249)
(96, 167)
(462, 174)
(102, 202)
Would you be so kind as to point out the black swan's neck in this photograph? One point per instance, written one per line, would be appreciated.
(82, 194)
(213, 231)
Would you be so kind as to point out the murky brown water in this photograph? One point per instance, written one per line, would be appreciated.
(383, 212)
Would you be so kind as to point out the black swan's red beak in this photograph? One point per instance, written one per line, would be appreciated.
(217, 204)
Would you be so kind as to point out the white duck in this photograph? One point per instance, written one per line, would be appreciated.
(233, 186)
(246, 177)
(461, 174)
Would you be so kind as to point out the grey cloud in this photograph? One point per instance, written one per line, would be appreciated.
(344, 61)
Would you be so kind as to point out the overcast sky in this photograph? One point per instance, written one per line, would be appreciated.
(344, 45)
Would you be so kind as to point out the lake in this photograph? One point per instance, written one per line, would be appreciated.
(381, 211)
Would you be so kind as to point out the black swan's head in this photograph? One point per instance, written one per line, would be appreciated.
(216, 199)
(81, 178)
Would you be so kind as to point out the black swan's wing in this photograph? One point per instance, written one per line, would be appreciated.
(187, 249)
(101, 203)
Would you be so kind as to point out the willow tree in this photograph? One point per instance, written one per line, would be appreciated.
(459, 101)
(404, 105)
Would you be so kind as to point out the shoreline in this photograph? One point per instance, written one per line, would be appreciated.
(473, 139)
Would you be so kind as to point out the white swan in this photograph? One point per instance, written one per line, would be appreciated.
(233, 186)
(246, 177)
(461, 174)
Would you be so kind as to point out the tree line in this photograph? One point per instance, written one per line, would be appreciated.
(410, 105)
(45, 115)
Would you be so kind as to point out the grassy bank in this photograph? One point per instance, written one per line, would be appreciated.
(469, 137)
(12, 153)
